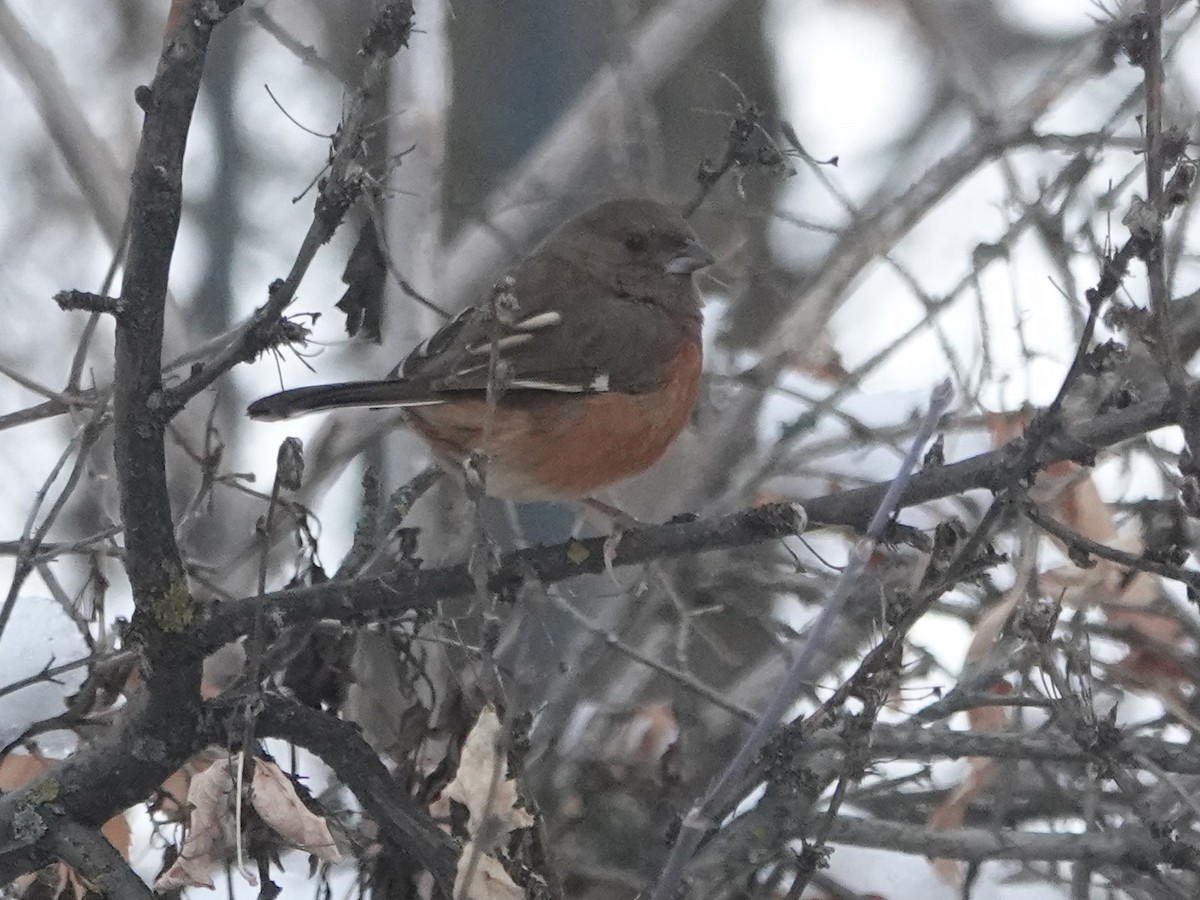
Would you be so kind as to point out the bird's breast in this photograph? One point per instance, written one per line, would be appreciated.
(561, 446)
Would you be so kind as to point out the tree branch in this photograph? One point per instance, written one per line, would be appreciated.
(1126, 846)
(368, 599)
(992, 470)
(153, 563)
(157, 731)
(97, 862)
(404, 825)
(914, 742)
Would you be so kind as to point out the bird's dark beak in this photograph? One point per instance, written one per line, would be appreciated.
(691, 258)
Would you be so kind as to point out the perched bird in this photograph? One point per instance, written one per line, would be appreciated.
(592, 347)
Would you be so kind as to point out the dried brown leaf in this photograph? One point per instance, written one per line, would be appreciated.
(210, 811)
(480, 785)
(274, 797)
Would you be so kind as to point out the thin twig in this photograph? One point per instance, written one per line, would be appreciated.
(340, 190)
(89, 302)
(32, 538)
(701, 817)
(1133, 561)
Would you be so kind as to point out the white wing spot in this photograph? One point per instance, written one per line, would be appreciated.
(560, 387)
(504, 343)
(400, 404)
(540, 321)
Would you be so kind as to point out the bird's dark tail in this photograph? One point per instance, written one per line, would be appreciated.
(350, 394)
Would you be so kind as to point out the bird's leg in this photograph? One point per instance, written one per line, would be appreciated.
(621, 522)
(617, 516)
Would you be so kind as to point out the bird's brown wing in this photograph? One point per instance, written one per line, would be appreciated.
(568, 333)
(607, 344)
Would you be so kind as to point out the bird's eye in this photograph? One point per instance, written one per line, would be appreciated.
(636, 242)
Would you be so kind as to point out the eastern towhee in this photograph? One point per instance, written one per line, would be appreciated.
(593, 351)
